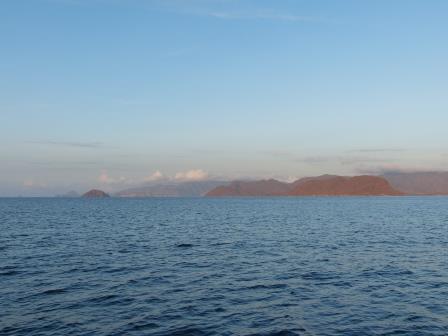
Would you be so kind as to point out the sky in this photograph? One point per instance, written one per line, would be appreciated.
(117, 93)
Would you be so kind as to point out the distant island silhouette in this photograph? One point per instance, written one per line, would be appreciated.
(388, 184)
(95, 193)
(325, 185)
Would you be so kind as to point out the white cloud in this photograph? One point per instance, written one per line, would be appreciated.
(291, 179)
(156, 176)
(191, 175)
(104, 178)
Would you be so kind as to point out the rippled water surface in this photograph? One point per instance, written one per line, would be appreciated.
(254, 266)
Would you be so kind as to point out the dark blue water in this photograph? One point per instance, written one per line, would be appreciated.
(266, 266)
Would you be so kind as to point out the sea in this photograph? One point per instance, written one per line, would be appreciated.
(224, 266)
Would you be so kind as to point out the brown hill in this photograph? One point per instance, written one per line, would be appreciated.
(340, 185)
(327, 185)
(313, 178)
(252, 188)
(94, 193)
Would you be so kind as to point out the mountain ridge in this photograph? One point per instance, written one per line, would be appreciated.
(390, 183)
(324, 185)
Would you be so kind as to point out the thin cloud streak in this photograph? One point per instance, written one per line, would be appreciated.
(226, 10)
(205, 8)
(359, 160)
(392, 168)
(261, 16)
(378, 150)
(69, 144)
(343, 160)
(278, 153)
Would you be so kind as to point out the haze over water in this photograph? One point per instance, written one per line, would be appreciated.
(240, 266)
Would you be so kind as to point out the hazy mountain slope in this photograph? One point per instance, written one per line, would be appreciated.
(166, 189)
(420, 182)
(70, 194)
(252, 188)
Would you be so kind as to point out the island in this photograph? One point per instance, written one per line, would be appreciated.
(325, 185)
(95, 193)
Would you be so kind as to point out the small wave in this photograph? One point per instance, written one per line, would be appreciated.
(280, 333)
(103, 298)
(184, 332)
(386, 272)
(184, 245)
(317, 276)
(143, 326)
(274, 286)
(284, 333)
(116, 270)
(414, 318)
(20, 235)
(220, 244)
(9, 273)
(54, 291)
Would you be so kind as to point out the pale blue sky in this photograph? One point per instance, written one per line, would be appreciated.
(105, 93)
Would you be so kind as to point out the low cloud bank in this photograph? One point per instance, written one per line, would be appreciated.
(192, 175)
